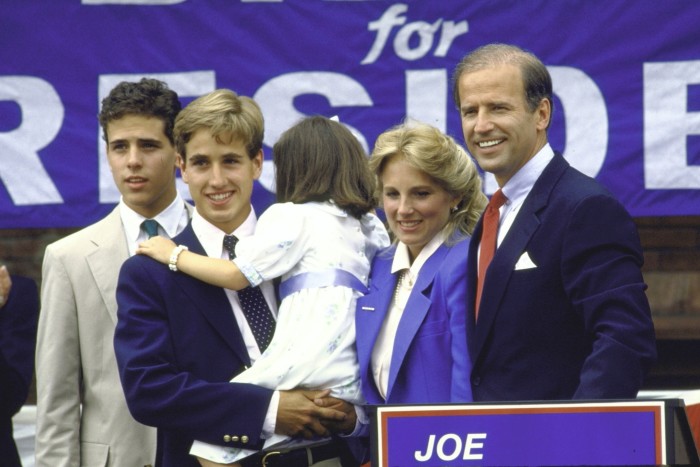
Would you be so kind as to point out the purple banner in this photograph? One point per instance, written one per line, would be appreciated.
(626, 81)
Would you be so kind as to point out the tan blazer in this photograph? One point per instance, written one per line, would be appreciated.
(75, 360)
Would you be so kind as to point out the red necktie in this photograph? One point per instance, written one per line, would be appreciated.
(488, 241)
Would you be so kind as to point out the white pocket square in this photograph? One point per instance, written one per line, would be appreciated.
(524, 262)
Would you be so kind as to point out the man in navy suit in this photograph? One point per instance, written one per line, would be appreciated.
(179, 341)
(19, 308)
(563, 313)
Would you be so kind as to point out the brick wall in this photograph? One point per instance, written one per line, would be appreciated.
(22, 250)
(672, 271)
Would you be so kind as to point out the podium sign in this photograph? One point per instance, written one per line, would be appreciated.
(595, 433)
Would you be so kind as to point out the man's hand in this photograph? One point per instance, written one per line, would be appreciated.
(158, 248)
(299, 416)
(5, 285)
(343, 427)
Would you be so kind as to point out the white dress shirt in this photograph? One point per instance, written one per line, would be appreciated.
(171, 221)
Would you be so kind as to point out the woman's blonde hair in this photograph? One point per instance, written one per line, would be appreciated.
(429, 150)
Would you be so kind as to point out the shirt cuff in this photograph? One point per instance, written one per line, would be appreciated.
(250, 273)
(218, 454)
(270, 422)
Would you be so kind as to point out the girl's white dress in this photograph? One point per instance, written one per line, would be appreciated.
(316, 245)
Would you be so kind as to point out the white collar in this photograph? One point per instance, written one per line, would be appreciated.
(402, 257)
(518, 187)
(170, 219)
(212, 237)
(328, 206)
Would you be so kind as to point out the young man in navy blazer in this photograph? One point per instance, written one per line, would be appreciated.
(179, 341)
(563, 313)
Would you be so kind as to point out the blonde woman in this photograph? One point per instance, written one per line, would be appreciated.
(411, 335)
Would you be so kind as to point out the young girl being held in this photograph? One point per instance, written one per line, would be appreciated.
(319, 239)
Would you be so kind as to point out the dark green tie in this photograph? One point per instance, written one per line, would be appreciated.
(150, 227)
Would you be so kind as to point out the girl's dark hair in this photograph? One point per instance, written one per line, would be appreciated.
(321, 160)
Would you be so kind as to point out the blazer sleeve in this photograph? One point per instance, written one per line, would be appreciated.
(160, 386)
(17, 337)
(451, 288)
(57, 365)
(601, 270)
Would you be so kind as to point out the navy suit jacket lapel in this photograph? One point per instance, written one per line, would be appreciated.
(211, 301)
(513, 246)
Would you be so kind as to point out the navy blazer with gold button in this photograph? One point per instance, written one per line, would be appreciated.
(178, 345)
(563, 313)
